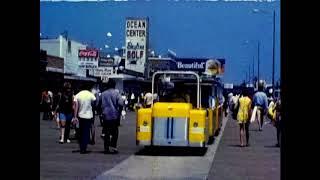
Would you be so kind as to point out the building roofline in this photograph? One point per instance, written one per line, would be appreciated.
(52, 56)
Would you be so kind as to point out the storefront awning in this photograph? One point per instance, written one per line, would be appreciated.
(123, 76)
(80, 78)
(51, 69)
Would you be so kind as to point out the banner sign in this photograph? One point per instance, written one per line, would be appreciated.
(206, 66)
(88, 64)
(88, 53)
(88, 59)
(106, 62)
(103, 71)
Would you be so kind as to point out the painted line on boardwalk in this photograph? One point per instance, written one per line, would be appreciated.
(166, 167)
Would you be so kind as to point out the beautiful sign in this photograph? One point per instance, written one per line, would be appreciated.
(207, 66)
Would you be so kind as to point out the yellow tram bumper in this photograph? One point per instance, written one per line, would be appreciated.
(144, 127)
(198, 134)
(172, 124)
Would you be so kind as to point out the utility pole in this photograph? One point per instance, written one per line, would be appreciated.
(246, 76)
(253, 69)
(258, 60)
(249, 80)
(273, 49)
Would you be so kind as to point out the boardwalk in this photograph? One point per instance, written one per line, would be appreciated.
(223, 160)
(260, 161)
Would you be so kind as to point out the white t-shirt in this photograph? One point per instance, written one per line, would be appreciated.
(124, 99)
(148, 98)
(50, 94)
(212, 102)
(155, 96)
(93, 91)
(84, 99)
(132, 96)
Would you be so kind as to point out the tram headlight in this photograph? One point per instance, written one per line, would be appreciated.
(195, 124)
(145, 123)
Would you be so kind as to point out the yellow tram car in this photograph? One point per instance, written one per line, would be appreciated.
(189, 123)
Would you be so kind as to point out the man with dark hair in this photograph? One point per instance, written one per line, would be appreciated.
(278, 122)
(83, 110)
(46, 102)
(64, 109)
(111, 104)
(261, 101)
(99, 106)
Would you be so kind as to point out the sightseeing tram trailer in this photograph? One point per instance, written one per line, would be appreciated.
(185, 124)
(219, 94)
(211, 90)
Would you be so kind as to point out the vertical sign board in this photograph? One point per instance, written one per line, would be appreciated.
(136, 44)
(106, 66)
(105, 60)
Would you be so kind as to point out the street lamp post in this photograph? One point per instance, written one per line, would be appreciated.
(273, 43)
(253, 59)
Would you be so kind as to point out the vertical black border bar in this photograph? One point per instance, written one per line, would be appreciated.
(168, 125)
(172, 128)
(284, 93)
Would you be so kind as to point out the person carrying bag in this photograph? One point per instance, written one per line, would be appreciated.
(254, 114)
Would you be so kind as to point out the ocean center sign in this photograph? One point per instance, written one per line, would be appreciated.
(136, 44)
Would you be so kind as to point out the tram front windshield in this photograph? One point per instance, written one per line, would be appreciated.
(177, 90)
(184, 89)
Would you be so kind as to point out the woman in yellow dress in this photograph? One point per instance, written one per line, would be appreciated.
(243, 116)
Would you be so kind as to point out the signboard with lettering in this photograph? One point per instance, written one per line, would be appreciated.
(104, 79)
(85, 64)
(106, 62)
(88, 53)
(136, 43)
(228, 86)
(207, 66)
(103, 71)
(88, 59)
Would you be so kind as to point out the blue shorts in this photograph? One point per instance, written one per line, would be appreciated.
(65, 117)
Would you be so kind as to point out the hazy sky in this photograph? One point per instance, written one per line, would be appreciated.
(229, 30)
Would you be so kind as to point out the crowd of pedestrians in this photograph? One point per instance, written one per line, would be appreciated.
(247, 108)
(75, 109)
